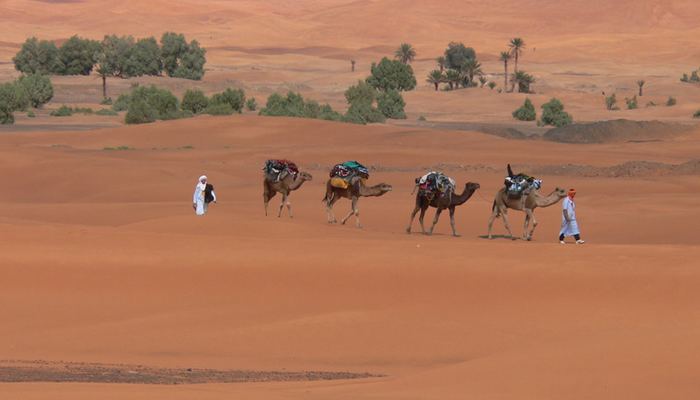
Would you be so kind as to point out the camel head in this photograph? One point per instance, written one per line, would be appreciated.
(561, 193)
(305, 176)
(383, 188)
(471, 186)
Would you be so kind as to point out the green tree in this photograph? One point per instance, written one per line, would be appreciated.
(523, 80)
(38, 88)
(631, 103)
(115, 55)
(405, 53)
(140, 111)
(13, 98)
(505, 57)
(526, 112)
(516, 49)
(361, 98)
(234, 97)
(180, 59)
(144, 58)
(251, 104)
(79, 55)
(195, 101)
(553, 114)
(452, 77)
(435, 77)
(38, 57)
(441, 63)
(391, 104)
(391, 74)
(457, 54)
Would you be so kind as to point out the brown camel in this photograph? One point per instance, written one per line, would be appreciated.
(447, 200)
(355, 190)
(285, 186)
(527, 204)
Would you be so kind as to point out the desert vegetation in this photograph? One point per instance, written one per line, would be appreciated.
(526, 112)
(553, 114)
(32, 90)
(294, 105)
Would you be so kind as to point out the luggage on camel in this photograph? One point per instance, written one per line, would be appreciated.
(341, 174)
(519, 184)
(435, 183)
(276, 170)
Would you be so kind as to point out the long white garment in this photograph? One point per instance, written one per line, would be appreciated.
(198, 199)
(569, 228)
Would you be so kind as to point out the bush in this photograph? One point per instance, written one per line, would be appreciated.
(611, 103)
(671, 101)
(13, 98)
(38, 89)
(182, 59)
(177, 114)
(391, 75)
(391, 104)
(684, 78)
(697, 114)
(526, 112)
(106, 112)
(361, 98)
(140, 112)
(106, 102)
(327, 113)
(422, 118)
(553, 114)
(251, 104)
(30, 114)
(122, 102)
(219, 109)
(491, 85)
(38, 57)
(234, 97)
(194, 101)
(694, 77)
(631, 103)
(63, 111)
(294, 105)
(457, 55)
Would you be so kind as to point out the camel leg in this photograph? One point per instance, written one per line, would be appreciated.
(534, 225)
(284, 199)
(353, 211)
(452, 222)
(494, 215)
(438, 211)
(507, 225)
(420, 219)
(267, 195)
(410, 222)
(329, 208)
(526, 224)
(289, 207)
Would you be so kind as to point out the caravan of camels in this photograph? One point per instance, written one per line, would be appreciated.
(434, 189)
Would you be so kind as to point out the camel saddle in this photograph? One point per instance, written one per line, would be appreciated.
(348, 170)
(276, 170)
(435, 183)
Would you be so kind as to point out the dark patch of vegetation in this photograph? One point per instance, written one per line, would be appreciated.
(194, 101)
(38, 88)
(219, 109)
(553, 114)
(405, 53)
(671, 101)
(233, 97)
(391, 75)
(361, 98)
(422, 118)
(30, 114)
(147, 104)
(106, 112)
(63, 111)
(631, 103)
(106, 101)
(523, 80)
(391, 104)
(118, 148)
(611, 103)
(526, 112)
(696, 114)
(13, 97)
(294, 105)
(251, 104)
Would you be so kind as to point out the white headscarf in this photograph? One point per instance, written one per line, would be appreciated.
(202, 185)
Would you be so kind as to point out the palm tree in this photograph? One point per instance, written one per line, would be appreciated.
(352, 65)
(470, 68)
(505, 57)
(640, 83)
(516, 48)
(523, 80)
(405, 53)
(452, 78)
(436, 78)
(441, 62)
(482, 80)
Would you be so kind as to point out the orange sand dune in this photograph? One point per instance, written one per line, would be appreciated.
(103, 261)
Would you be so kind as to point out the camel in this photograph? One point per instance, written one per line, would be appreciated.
(448, 200)
(527, 204)
(286, 185)
(355, 190)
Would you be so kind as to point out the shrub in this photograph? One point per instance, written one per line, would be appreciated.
(63, 111)
(30, 114)
(391, 75)
(122, 102)
(294, 105)
(361, 98)
(457, 55)
(491, 85)
(251, 104)
(611, 102)
(694, 76)
(684, 78)
(194, 101)
(177, 114)
(38, 57)
(422, 118)
(234, 97)
(140, 112)
(391, 104)
(219, 109)
(553, 114)
(696, 114)
(631, 103)
(526, 112)
(106, 101)
(13, 98)
(182, 59)
(327, 113)
(106, 112)
(671, 101)
(38, 89)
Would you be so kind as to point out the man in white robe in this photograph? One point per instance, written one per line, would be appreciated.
(569, 225)
(198, 200)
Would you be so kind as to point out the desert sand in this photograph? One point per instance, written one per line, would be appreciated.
(102, 261)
